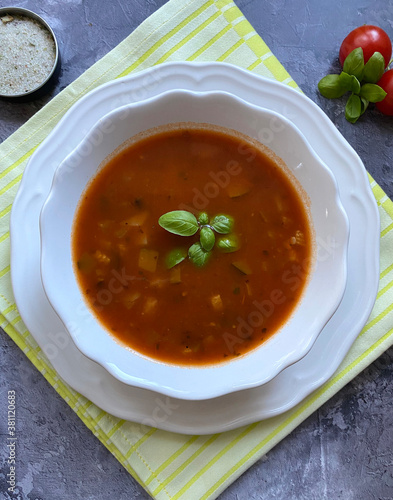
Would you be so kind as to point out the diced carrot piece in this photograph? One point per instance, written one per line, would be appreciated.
(242, 266)
(141, 238)
(104, 244)
(105, 225)
(292, 255)
(119, 233)
(158, 283)
(217, 304)
(101, 257)
(271, 234)
(148, 259)
(130, 299)
(153, 337)
(175, 275)
(300, 238)
(150, 305)
(285, 220)
(136, 220)
(209, 340)
(196, 347)
(86, 263)
(248, 288)
(238, 187)
(263, 217)
(122, 248)
(280, 203)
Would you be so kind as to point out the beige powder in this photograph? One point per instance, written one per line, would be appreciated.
(27, 54)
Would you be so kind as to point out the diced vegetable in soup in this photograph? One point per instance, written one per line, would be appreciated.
(193, 245)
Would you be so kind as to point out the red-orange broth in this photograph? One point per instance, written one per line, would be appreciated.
(192, 315)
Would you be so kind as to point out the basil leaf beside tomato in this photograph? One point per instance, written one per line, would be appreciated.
(331, 87)
(372, 92)
(374, 68)
(354, 63)
(353, 108)
(364, 104)
(349, 82)
(371, 39)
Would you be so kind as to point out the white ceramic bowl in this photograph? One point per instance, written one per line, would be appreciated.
(320, 299)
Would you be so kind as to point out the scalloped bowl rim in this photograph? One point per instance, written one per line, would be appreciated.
(194, 383)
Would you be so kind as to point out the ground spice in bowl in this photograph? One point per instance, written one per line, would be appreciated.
(28, 54)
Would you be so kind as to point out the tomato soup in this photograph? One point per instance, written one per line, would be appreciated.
(184, 313)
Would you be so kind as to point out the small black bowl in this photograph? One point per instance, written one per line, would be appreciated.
(45, 85)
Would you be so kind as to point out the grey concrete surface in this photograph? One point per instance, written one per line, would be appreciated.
(344, 450)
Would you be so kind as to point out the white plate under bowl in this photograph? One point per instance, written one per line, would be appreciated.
(240, 408)
(324, 288)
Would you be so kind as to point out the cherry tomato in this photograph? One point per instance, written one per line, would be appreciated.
(386, 82)
(371, 39)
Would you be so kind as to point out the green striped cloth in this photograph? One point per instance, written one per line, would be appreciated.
(167, 465)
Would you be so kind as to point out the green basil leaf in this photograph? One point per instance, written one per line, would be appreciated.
(374, 68)
(354, 63)
(364, 104)
(203, 218)
(198, 255)
(207, 238)
(349, 82)
(179, 222)
(331, 87)
(353, 108)
(372, 92)
(222, 224)
(228, 244)
(175, 256)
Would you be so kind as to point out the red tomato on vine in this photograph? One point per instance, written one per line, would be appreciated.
(386, 82)
(371, 39)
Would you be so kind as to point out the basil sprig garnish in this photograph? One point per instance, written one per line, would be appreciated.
(183, 223)
(207, 238)
(179, 222)
(203, 218)
(222, 224)
(198, 255)
(228, 244)
(175, 256)
(350, 80)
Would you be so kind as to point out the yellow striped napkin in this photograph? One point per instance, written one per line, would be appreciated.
(167, 465)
